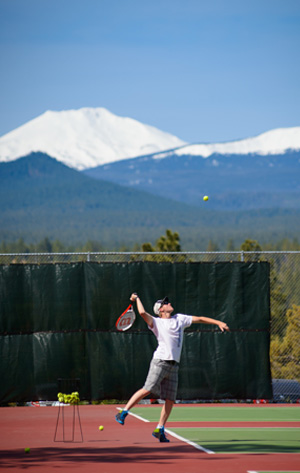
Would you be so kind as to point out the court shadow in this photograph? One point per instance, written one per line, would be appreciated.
(138, 454)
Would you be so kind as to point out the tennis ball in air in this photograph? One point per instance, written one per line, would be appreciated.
(27, 450)
(101, 427)
(205, 198)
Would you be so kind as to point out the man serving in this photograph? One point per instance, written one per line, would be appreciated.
(162, 379)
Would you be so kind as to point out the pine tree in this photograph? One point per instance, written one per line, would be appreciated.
(285, 353)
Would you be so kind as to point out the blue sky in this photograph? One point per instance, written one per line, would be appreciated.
(204, 71)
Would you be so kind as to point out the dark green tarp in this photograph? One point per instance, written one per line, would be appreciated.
(57, 321)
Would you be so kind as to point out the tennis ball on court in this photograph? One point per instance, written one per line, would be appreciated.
(205, 198)
(101, 427)
(27, 450)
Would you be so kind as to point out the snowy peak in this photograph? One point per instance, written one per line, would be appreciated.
(85, 138)
(90, 137)
(276, 141)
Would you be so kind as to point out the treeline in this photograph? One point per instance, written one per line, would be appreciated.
(48, 246)
(283, 244)
(285, 350)
(168, 242)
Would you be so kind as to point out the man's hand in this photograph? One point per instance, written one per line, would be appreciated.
(134, 297)
(223, 326)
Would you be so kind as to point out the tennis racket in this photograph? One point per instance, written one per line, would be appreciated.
(126, 320)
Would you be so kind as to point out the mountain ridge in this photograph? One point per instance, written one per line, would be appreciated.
(89, 137)
(232, 182)
(41, 197)
(276, 141)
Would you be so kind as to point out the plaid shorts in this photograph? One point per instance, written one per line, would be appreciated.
(162, 379)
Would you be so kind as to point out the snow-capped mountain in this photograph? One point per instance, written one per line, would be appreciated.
(85, 138)
(277, 141)
(90, 137)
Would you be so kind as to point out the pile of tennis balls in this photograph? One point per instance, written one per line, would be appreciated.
(68, 398)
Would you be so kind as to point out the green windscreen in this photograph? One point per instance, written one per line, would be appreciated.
(58, 321)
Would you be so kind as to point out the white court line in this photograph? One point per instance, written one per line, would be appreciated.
(189, 442)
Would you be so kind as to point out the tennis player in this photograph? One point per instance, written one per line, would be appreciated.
(162, 379)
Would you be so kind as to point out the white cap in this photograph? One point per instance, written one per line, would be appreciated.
(158, 305)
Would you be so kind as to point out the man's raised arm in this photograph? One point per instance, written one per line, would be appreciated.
(147, 317)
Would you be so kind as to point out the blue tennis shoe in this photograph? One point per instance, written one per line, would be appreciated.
(160, 435)
(120, 417)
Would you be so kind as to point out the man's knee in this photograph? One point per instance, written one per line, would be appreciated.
(170, 401)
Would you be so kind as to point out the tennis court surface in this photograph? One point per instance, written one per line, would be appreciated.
(219, 438)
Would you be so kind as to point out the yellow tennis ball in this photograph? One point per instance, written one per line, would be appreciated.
(27, 450)
(101, 427)
(205, 198)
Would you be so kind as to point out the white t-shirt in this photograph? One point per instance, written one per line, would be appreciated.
(169, 334)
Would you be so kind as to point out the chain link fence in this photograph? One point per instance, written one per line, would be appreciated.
(285, 299)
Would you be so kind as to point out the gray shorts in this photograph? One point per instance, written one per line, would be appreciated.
(162, 379)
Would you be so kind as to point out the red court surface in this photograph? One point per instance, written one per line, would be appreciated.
(128, 448)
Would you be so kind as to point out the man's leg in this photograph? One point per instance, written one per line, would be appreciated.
(155, 375)
(135, 398)
(168, 392)
(159, 432)
(165, 412)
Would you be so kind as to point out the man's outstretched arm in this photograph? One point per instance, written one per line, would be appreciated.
(207, 320)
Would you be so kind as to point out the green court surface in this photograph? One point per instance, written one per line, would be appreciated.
(224, 413)
(244, 440)
(233, 439)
